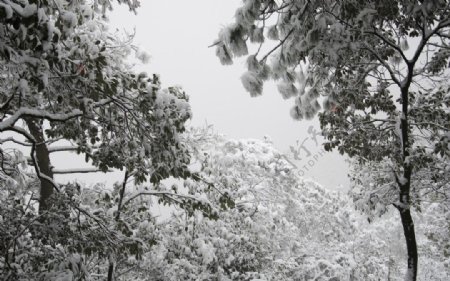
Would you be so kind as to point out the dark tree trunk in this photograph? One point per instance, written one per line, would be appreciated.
(405, 185)
(411, 245)
(117, 217)
(43, 162)
(111, 271)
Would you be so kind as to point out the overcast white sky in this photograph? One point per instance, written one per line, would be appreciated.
(176, 34)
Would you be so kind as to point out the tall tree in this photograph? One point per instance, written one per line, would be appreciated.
(382, 67)
(66, 77)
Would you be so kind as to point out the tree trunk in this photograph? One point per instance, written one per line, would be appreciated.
(408, 228)
(119, 207)
(411, 245)
(405, 183)
(110, 271)
(43, 163)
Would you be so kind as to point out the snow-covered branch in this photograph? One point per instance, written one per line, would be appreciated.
(65, 148)
(43, 114)
(30, 112)
(62, 148)
(11, 139)
(162, 194)
(79, 171)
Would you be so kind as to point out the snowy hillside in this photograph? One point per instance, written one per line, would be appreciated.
(246, 215)
(283, 227)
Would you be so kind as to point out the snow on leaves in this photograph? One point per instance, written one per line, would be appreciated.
(278, 226)
(369, 61)
(267, 235)
(60, 64)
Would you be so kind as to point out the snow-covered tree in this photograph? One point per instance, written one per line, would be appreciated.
(66, 77)
(381, 68)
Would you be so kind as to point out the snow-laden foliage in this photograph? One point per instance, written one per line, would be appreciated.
(87, 231)
(60, 63)
(381, 68)
(72, 240)
(65, 78)
(269, 224)
(373, 186)
(349, 40)
(282, 227)
(353, 53)
(265, 232)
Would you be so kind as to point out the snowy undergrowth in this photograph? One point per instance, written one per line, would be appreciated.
(283, 227)
(278, 226)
